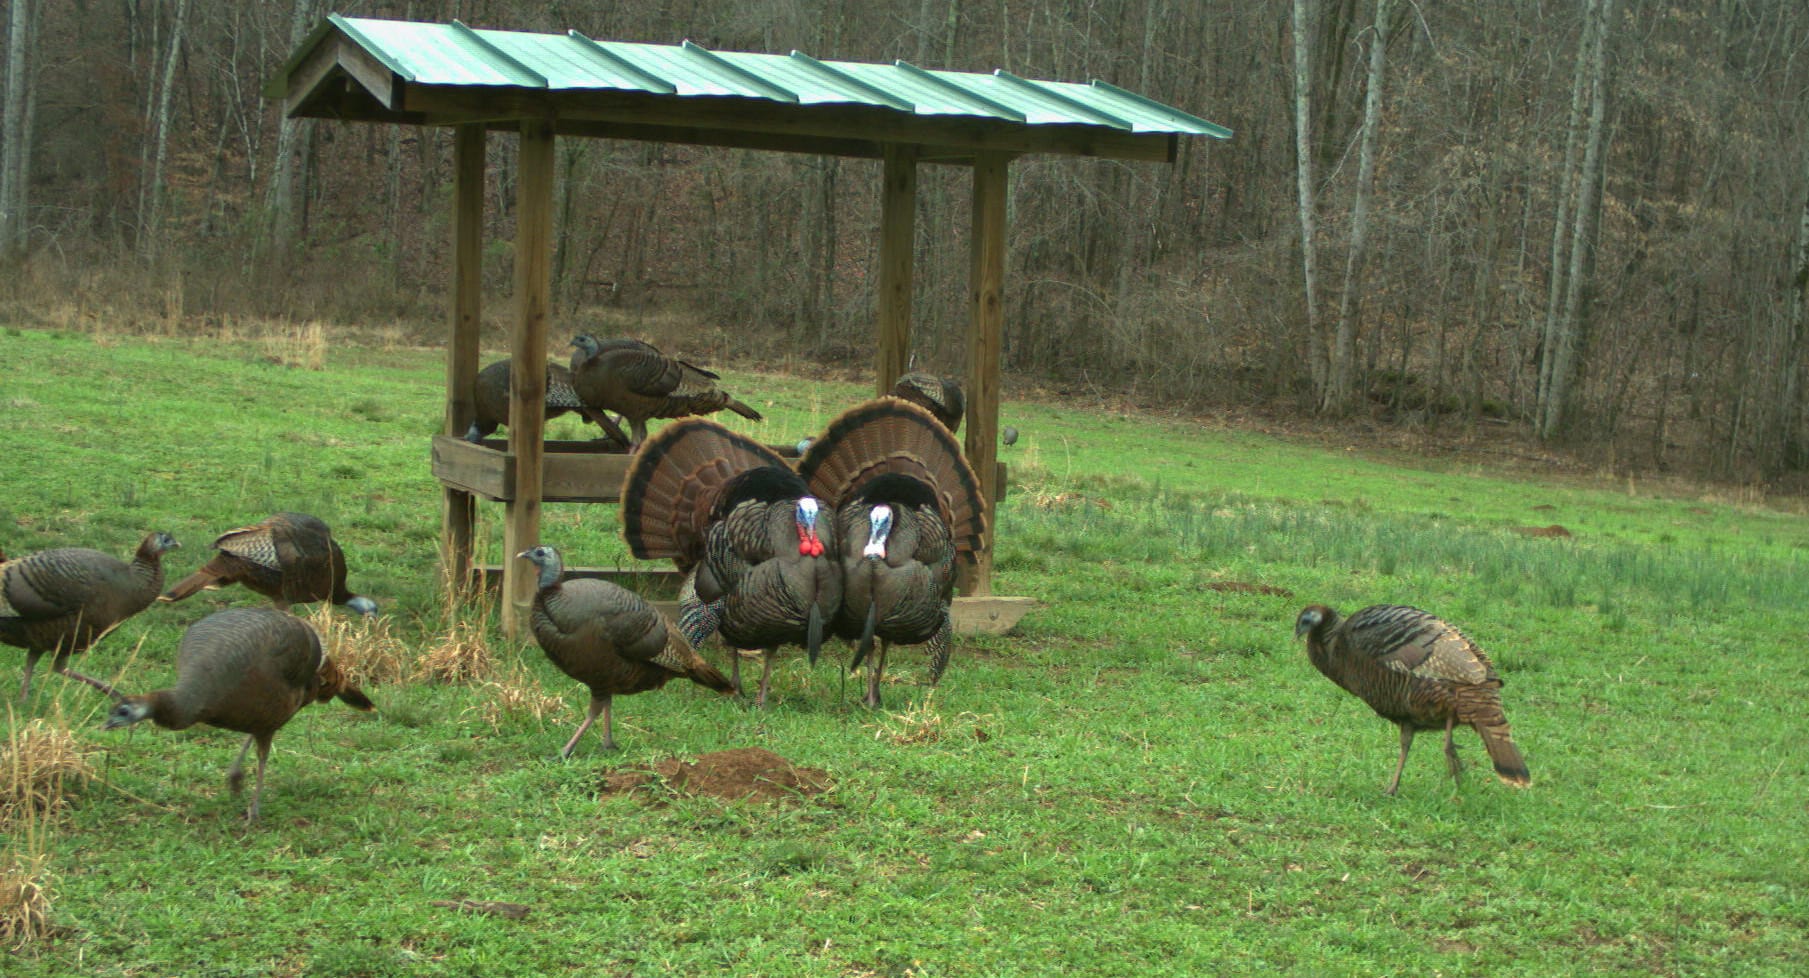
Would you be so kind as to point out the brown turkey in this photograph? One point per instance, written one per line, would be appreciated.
(941, 396)
(243, 669)
(290, 558)
(490, 402)
(61, 601)
(609, 639)
(1418, 672)
(637, 381)
(758, 547)
(907, 505)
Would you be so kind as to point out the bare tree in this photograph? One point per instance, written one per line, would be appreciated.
(1344, 355)
(15, 136)
(151, 211)
(1304, 198)
(1570, 334)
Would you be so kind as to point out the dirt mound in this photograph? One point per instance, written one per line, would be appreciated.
(1553, 530)
(745, 773)
(1239, 587)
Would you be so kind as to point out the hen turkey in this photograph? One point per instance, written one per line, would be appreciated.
(248, 670)
(907, 505)
(61, 601)
(758, 547)
(609, 639)
(941, 396)
(1418, 672)
(290, 558)
(490, 401)
(637, 381)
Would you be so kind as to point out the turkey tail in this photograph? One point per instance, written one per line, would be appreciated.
(892, 436)
(674, 483)
(207, 577)
(1509, 766)
(697, 619)
(699, 671)
(743, 410)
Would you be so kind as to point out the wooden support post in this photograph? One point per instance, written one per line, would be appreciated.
(985, 335)
(527, 372)
(897, 246)
(459, 510)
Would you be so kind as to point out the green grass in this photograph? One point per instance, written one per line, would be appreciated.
(1148, 778)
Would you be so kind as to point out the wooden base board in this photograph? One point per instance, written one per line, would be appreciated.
(992, 614)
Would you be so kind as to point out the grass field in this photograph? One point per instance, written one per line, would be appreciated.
(1148, 778)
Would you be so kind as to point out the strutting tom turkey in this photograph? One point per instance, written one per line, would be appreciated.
(758, 548)
(1418, 672)
(907, 506)
(61, 601)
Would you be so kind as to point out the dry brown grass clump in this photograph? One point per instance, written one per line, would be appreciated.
(515, 697)
(924, 724)
(24, 898)
(461, 656)
(41, 765)
(366, 649)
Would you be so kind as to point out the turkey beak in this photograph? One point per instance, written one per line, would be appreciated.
(879, 527)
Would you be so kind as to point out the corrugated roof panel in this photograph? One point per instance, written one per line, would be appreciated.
(455, 55)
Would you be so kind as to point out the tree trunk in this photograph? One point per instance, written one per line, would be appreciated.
(151, 223)
(1344, 347)
(15, 146)
(1303, 172)
(279, 204)
(1571, 336)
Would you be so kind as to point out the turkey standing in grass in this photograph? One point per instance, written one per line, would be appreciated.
(61, 601)
(609, 639)
(637, 381)
(758, 548)
(907, 506)
(248, 670)
(941, 396)
(290, 558)
(1417, 671)
(490, 402)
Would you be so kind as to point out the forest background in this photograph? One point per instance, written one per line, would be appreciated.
(1583, 225)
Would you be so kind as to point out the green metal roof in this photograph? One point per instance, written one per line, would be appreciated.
(565, 69)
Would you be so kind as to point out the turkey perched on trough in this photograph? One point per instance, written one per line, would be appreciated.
(759, 548)
(247, 670)
(290, 558)
(490, 401)
(941, 396)
(907, 505)
(61, 601)
(637, 381)
(1417, 671)
(608, 638)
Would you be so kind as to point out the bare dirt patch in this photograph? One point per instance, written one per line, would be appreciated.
(1241, 587)
(1552, 531)
(742, 774)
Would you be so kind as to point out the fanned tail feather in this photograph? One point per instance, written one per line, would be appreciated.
(674, 482)
(889, 435)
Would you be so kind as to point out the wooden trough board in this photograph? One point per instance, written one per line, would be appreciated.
(988, 615)
(571, 471)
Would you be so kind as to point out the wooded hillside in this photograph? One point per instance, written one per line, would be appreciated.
(1589, 219)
